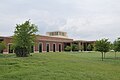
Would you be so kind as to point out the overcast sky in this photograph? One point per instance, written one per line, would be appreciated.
(81, 19)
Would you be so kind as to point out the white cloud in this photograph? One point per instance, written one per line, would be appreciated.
(82, 19)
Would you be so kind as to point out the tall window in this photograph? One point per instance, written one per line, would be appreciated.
(10, 48)
(54, 48)
(47, 47)
(60, 47)
(40, 47)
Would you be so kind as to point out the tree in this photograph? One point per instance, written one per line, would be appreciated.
(116, 46)
(112, 46)
(102, 46)
(2, 47)
(75, 47)
(67, 48)
(24, 37)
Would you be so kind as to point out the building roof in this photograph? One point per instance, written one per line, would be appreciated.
(57, 31)
(5, 37)
(83, 41)
(50, 38)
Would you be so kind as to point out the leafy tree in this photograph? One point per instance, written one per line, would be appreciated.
(2, 47)
(75, 47)
(24, 37)
(111, 46)
(116, 46)
(102, 46)
(68, 48)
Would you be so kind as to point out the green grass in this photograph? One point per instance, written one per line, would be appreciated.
(60, 66)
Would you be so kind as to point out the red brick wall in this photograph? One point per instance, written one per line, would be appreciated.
(51, 45)
(7, 40)
(36, 45)
(44, 40)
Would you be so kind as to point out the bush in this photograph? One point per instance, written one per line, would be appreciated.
(75, 47)
(2, 47)
(67, 48)
(90, 47)
(21, 52)
(24, 37)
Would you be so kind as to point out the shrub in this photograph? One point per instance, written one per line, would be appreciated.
(75, 47)
(67, 48)
(2, 47)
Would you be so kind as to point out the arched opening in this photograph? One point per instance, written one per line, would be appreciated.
(40, 47)
(47, 47)
(32, 49)
(60, 47)
(10, 48)
(54, 47)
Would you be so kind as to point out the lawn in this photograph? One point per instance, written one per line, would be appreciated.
(60, 66)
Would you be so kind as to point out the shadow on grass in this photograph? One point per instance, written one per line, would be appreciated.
(117, 58)
(7, 56)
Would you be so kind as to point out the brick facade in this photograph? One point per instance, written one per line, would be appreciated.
(47, 44)
(40, 39)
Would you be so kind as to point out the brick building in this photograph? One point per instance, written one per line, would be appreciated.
(52, 42)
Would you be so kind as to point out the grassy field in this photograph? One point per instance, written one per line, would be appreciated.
(60, 66)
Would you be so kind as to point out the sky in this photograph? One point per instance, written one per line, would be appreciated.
(81, 19)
